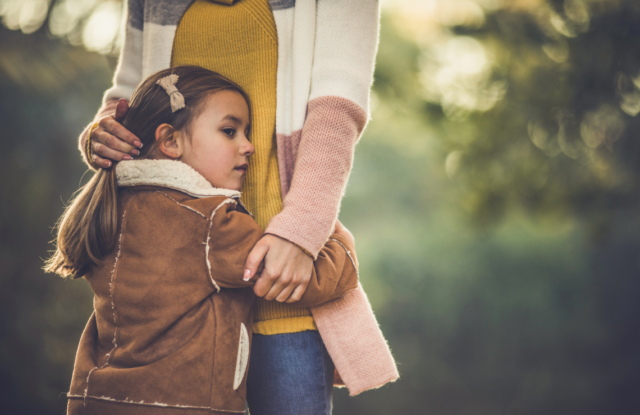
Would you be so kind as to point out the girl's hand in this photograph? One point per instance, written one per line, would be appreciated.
(287, 269)
(111, 141)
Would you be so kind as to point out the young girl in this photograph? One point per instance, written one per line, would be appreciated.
(163, 241)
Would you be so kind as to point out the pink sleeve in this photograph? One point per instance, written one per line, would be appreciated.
(315, 160)
(323, 155)
(107, 109)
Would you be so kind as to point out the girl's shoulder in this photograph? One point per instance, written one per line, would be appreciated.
(173, 203)
(174, 182)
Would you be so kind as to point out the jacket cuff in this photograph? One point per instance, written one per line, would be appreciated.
(307, 234)
(107, 109)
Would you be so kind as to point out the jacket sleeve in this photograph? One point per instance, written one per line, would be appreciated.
(345, 46)
(128, 73)
(231, 236)
(334, 273)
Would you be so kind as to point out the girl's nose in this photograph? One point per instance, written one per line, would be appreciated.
(247, 149)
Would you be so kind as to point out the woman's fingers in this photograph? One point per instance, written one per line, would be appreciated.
(113, 127)
(298, 292)
(121, 109)
(254, 259)
(287, 268)
(284, 283)
(100, 162)
(276, 289)
(106, 151)
(285, 293)
(269, 284)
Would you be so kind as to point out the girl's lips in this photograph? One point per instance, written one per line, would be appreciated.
(243, 168)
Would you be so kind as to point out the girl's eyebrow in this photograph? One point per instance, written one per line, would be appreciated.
(231, 118)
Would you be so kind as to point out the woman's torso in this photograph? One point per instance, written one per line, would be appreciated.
(240, 42)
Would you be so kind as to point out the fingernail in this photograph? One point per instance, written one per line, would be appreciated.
(135, 152)
(108, 164)
(138, 144)
(127, 157)
(247, 275)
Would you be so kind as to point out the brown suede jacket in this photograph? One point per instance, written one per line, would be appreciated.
(171, 330)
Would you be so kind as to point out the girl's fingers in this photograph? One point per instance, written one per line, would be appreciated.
(110, 125)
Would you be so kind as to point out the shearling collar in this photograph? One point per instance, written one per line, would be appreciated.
(168, 173)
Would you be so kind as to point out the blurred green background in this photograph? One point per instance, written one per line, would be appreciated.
(494, 199)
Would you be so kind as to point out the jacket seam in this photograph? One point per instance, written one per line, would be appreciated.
(349, 255)
(166, 405)
(213, 348)
(206, 243)
(113, 309)
(180, 204)
(112, 292)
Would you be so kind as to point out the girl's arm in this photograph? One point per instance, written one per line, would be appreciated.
(334, 272)
(109, 140)
(231, 236)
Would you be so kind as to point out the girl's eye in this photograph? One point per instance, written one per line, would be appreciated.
(229, 131)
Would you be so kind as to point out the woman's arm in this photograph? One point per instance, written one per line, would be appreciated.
(111, 141)
(344, 52)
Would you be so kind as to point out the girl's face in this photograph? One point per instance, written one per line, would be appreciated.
(218, 147)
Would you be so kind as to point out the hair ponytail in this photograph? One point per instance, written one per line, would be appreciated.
(87, 229)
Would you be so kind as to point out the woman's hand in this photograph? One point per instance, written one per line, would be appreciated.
(287, 269)
(111, 141)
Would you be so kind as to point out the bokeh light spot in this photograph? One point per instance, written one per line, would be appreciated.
(101, 29)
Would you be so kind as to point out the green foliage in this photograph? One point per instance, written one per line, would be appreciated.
(560, 140)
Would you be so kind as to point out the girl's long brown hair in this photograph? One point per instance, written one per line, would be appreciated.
(87, 229)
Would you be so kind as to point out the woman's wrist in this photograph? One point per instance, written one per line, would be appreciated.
(304, 250)
(290, 241)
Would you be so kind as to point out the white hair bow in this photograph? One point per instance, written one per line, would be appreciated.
(169, 85)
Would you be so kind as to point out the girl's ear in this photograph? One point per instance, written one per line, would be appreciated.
(171, 142)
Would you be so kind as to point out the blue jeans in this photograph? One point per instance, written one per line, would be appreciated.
(290, 374)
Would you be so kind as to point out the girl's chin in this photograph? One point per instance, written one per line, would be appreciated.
(230, 186)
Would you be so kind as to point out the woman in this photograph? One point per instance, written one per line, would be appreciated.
(307, 67)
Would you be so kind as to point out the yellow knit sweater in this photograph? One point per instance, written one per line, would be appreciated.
(240, 42)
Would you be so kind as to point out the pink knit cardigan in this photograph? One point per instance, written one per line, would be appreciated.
(347, 324)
